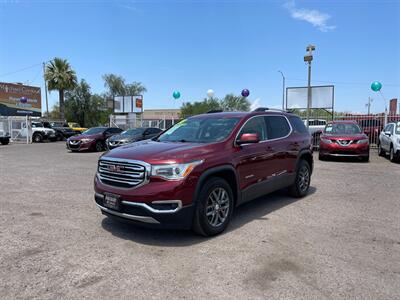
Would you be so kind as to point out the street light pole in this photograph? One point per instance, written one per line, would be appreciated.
(308, 58)
(283, 90)
(369, 105)
(45, 90)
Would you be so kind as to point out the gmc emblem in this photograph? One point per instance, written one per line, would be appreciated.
(114, 168)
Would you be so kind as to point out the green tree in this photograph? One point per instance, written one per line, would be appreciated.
(235, 103)
(135, 89)
(114, 84)
(229, 103)
(84, 107)
(60, 76)
(54, 113)
(199, 107)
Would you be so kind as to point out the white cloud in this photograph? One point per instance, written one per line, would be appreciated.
(314, 17)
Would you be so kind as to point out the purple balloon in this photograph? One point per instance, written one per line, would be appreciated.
(245, 93)
(24, 99)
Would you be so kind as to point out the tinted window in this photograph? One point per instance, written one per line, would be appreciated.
(298, 125)
(94, 130)
(114, 130)
(277, 127)
(255, 125)
(398, 128)
(200, 130)
(154, 130)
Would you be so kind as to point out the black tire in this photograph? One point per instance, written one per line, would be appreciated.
(302, 181)
(60, 137)
(5, 142)
(99, 146)
(205, 208)
(392, 155)
(381, 152)
(37, 138)
(365, 158)
(321, 157)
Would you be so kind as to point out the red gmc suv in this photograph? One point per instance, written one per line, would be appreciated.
(195, 173)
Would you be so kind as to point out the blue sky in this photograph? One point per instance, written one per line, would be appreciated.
(193, 46)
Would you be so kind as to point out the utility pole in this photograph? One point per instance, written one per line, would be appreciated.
(283, 90)
(368, 105)
(308, 58)
(45, 90)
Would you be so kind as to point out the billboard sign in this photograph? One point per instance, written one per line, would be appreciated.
(20, 100)
(321, 97)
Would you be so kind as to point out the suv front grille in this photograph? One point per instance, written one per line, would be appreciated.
(122, 173)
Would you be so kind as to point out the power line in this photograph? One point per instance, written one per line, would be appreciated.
(20, 70)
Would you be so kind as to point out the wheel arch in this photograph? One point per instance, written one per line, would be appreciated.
(308, 157)
(226, 172)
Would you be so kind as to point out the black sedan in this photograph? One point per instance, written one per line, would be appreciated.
(63, 131)
(132, 135)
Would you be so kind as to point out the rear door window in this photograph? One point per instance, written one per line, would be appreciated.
(298, 124)
(277, 127)
(255, 125)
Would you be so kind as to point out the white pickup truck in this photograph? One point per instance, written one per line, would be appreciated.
(316, 127)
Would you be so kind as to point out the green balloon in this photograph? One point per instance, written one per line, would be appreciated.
(176, 95)
(376, 86)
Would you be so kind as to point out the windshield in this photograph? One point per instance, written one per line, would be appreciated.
(94, 130)
(342, 128)
(132, 132)
(197, 130)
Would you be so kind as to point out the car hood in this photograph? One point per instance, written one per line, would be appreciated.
(345, 136)
(162, 152)
(120, 137)
(85, 136)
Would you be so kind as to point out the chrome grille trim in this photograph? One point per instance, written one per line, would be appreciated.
(123, 173)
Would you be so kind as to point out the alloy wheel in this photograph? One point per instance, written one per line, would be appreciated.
(217, 209)
(303, 178)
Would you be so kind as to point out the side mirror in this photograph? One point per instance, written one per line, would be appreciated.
(388, 133)
(248, 138)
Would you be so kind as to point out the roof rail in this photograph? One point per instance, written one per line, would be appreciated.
(261, 109)
(214, 111)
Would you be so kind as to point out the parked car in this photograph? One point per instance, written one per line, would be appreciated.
(63, 131)
(372, 128)
(4, 137)
(196, 172)
(316, 127)
(39, 133)
(389, 141)
(76, 127)
(344, 138)
(92, 139)
(132, 135)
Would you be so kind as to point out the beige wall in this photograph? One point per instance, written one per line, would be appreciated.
(161, 114)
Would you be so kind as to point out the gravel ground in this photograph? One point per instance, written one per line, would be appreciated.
(340, 242)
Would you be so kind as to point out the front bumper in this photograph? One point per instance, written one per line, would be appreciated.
(80, 146)
(353, 150)
(145, 215)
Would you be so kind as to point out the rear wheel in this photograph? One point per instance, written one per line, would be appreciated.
(302, 182)
(392, 155)
(37, 138)
(365, 158)
(214, 207)
(381, 152)
(5, 142)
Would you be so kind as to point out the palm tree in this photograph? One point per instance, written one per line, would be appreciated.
(61, 77)
(115, 85)
(135, 89)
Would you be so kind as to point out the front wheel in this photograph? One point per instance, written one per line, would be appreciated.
(37, 138)
(392, 155)
(302, 182)
(214, 207)
(99, 146)
(5, 142)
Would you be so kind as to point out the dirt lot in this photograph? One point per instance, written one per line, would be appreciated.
(341, 241)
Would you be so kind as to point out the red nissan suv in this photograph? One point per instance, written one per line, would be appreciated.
(197, 172)
(344, 138)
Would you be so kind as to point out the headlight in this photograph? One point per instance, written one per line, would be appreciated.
(86, 140)
(364, 141)
(326, 141)
(174, 171)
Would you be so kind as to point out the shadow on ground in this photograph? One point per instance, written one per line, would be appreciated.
(257, 209)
